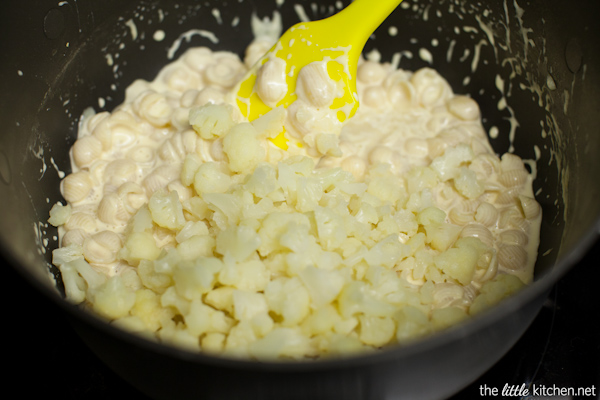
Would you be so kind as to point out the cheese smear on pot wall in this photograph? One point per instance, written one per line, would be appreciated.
(186, 224)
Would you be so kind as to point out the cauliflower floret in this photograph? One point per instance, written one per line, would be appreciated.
(151, 278)
(322, 285)
(190, 229)
(202, 319)
(442, 235)
(270, 124)
(166, 210)
(139, 246)
(238, 339)
(221, 298)
(66, 254)
(191, 164)
(387, 252)
(502, 286)
(466, 183)
(376, 331)
(211, 177)
(281, 342)
(247, 275)
(148, 309)
(447, 165)
(212, 120)
(411, 323)
(197, 246)
(113, 299)
(274, 226)
(330, 228)
(442, 318)
(75, 285)
(263, 181)
(238, 242)
(356, 298)
(458, 263)
(321, 320)
(288, 298)
(194, 278)
(243, 148)
(59, 214)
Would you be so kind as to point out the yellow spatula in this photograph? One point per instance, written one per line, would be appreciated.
(338, 40)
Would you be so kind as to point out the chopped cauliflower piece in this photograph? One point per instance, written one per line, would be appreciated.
(212, 120)
(243, 148)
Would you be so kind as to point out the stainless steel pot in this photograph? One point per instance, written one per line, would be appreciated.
(61, 57)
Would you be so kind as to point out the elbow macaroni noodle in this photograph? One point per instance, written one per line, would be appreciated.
(185, 224)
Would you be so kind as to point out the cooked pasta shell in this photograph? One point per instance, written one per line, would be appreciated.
(172, 149)
(102, 248)
(440, 120)
(188, 98)
(355, 165)
(464, 108)
(506, 198)
(120, 129)
(179, 77)
(432, 90)
(478, 231)
(511, 161)
(210, 94)
(485, 165)
(514, 236)
(154, 108)
(86, 150)
(180, 118)
(374, 96)
(486, 214)
(198, 58)
(160, 178)
(75, 236)
(226, 72)
(142, 155)
(436, 147)
(447, 294)
(184, 192)
(530, 207)
(459, 216)
(488, 266)
(316, 85)
(271, 85)
(512, 257)
(103, 133)
(112, 211)
(370, 72)
(81, 221)
(132, 195)
(120, 171)
(506, 215)
(519, 222)
(513, 178)
(416, 147)
(381, 155)
(124, 128)
(76, 186)
(95, 120)
(216, 150)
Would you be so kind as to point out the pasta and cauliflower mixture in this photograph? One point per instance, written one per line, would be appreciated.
(184, 223)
